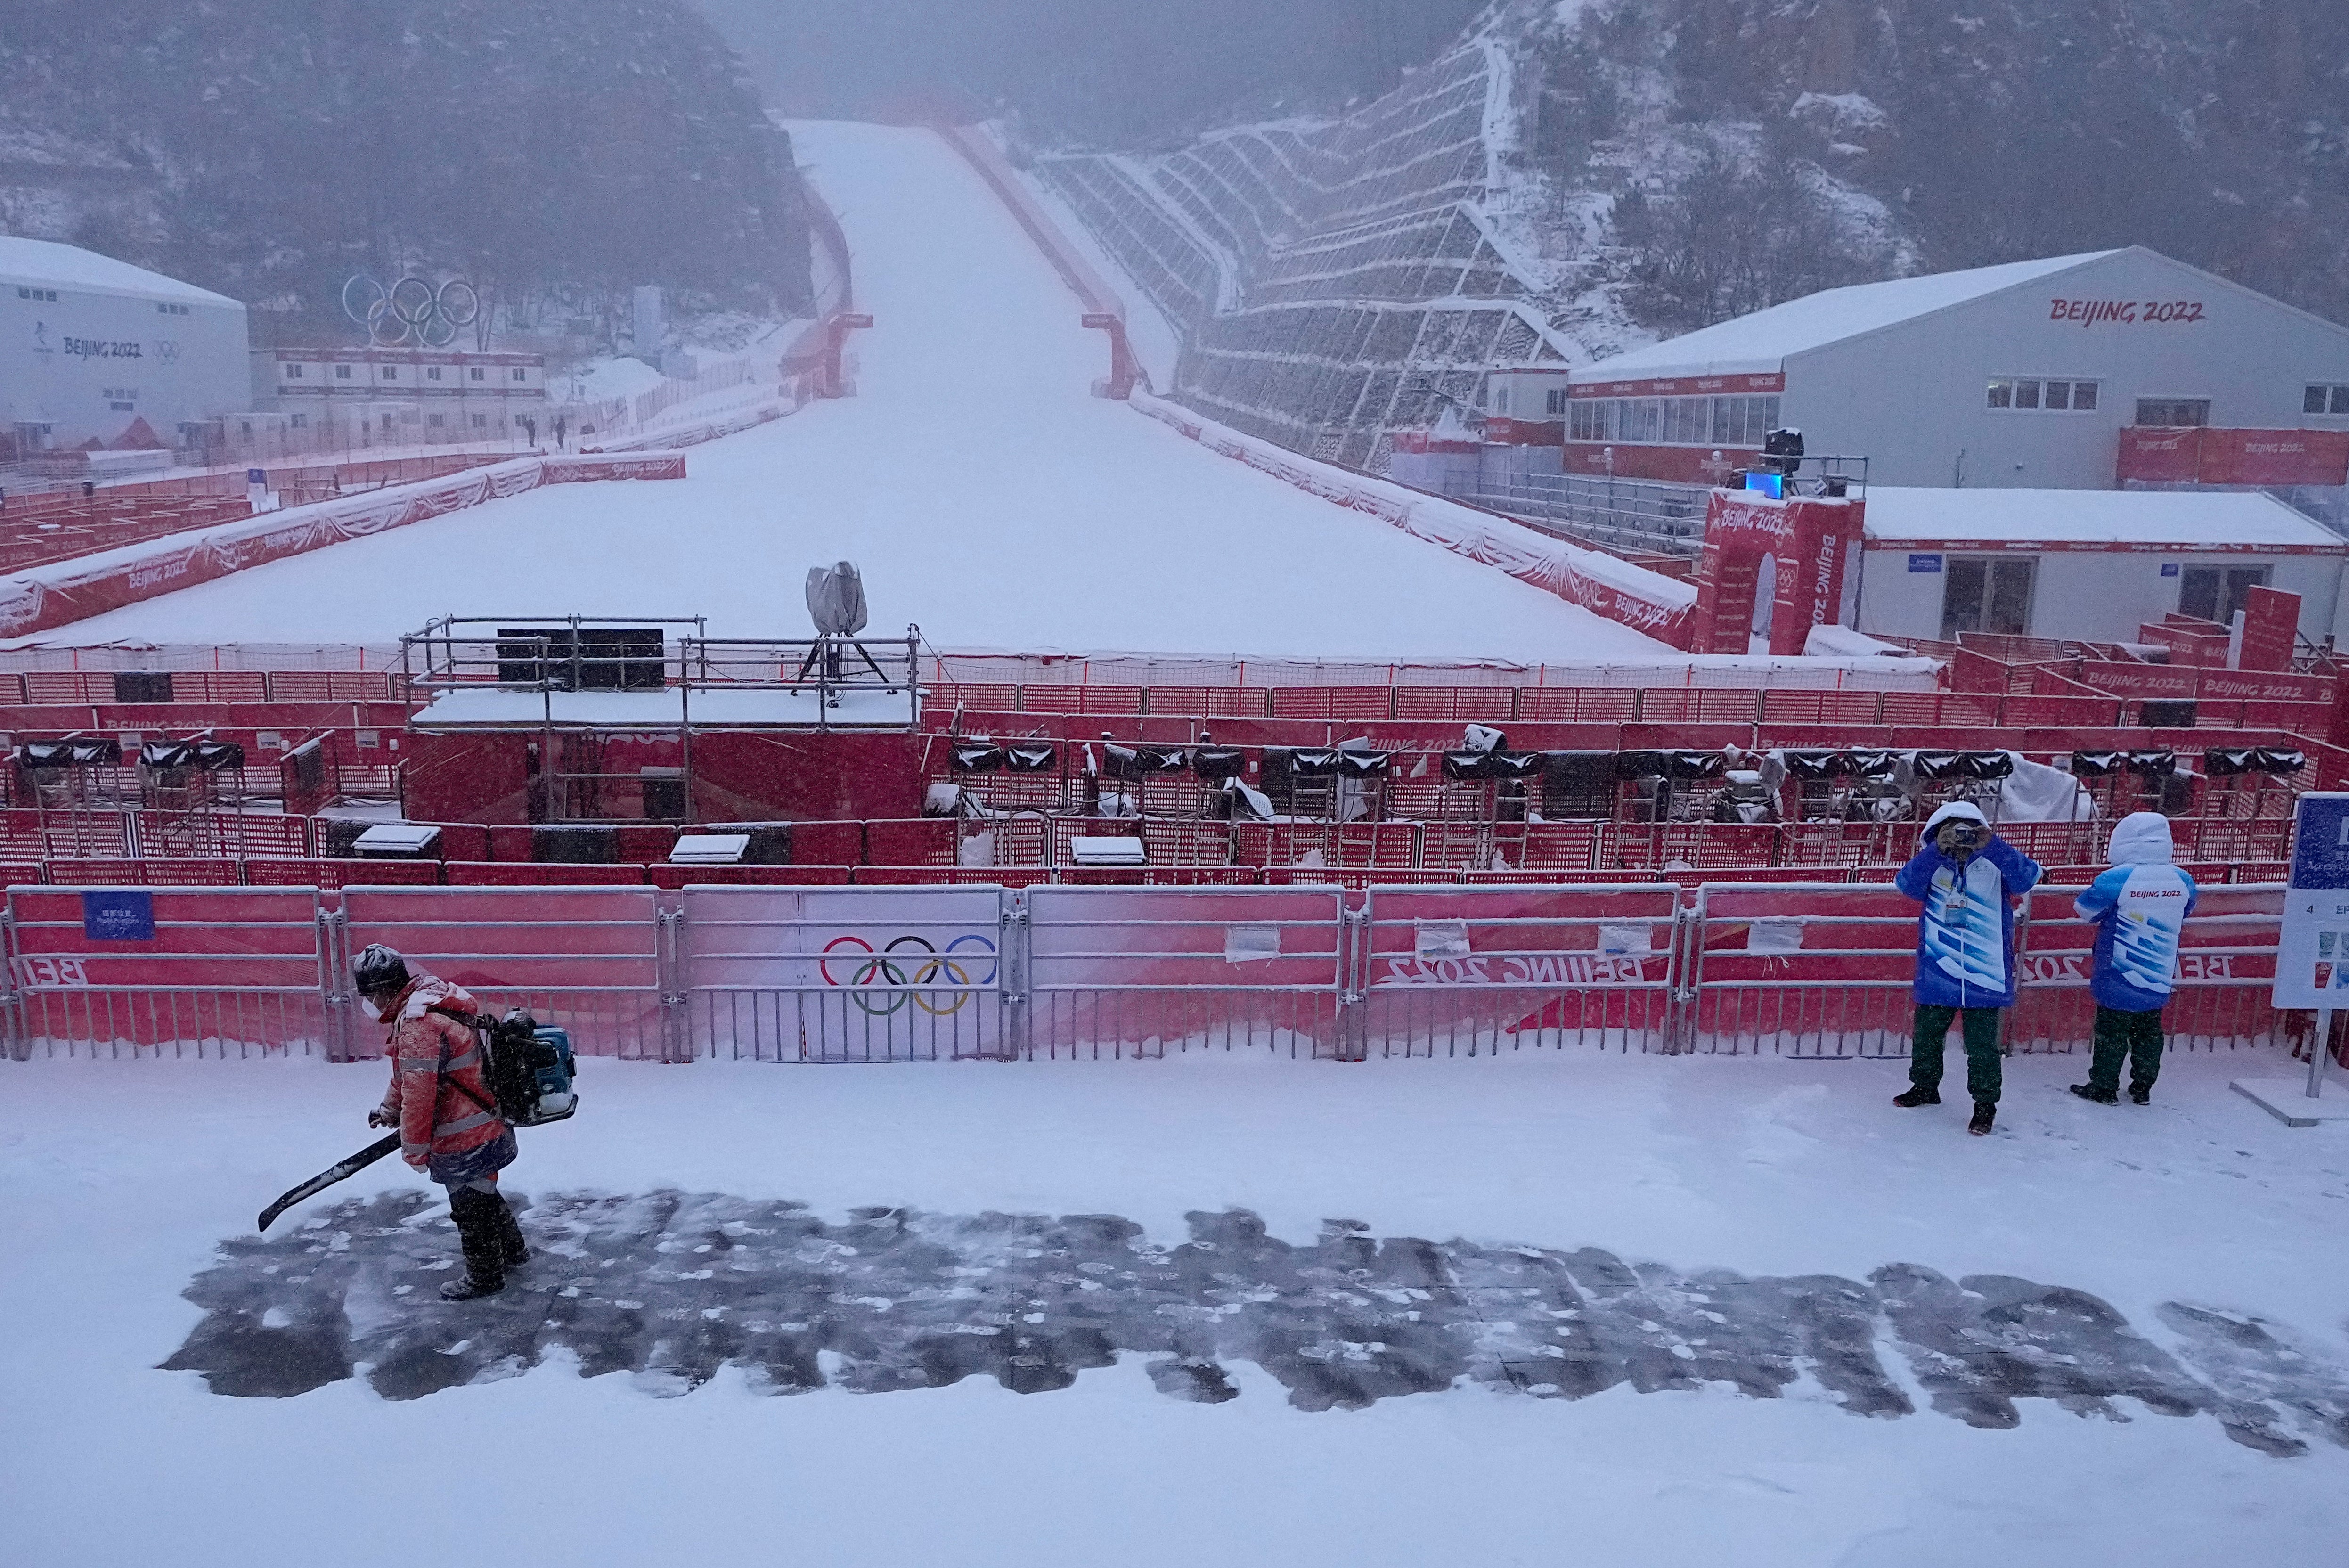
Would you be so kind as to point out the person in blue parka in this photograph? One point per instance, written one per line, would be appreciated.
(1968, 878)
(2140, 907)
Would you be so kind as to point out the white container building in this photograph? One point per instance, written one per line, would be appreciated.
(95, 349)
(2021, 376)
(2092, 566)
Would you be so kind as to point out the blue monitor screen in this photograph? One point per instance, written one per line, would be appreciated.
(1773, 485)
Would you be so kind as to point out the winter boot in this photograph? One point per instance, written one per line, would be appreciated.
(477, 1233)
(1917, 1096)
(1985, 1112)
(515, 1251)
(2101, 1096)
(2141, 1094)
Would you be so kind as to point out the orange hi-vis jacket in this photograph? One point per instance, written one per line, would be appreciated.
(435, 1059)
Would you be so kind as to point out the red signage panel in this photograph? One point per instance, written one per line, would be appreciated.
(2271, 622)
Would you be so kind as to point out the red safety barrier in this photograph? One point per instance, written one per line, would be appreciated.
(539, 874)
(332, 874)
(1137, 971)
(191, 970)
(1802, 970)
(147, 873)
(584, 958)
(233, 835)
(793, 876)
(56, 596)
(1688, 846)
(1459, 971)
(914, 842)
(949, 875)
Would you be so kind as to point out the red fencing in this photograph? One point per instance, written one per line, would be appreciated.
(192, 971)
(588, 959)
(57, 595)
(928, 970)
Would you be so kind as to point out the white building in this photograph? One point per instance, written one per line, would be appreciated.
(408, 394)
(2084, 565)
(2025, 375)
(94, 350)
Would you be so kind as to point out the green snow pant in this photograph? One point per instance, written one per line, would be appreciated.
(2133, 1036)
(1984, 1068)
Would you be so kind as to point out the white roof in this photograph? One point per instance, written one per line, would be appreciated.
(2185, 518)
(53, 265)
(1760, 343)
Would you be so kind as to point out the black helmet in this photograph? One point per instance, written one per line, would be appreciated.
(380, 971)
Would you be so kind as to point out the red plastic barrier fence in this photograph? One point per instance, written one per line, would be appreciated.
(191, 970)
(1458, 973)
(147, 873)
(584, 957)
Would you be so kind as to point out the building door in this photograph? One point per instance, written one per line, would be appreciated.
(1987, 592)
(2216, 593)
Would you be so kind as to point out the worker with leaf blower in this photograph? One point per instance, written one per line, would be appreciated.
(439, 1100)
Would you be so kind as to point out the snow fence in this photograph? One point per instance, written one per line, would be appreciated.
(819, 974)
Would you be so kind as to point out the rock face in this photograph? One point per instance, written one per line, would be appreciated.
(555, 153)
(1572, 180)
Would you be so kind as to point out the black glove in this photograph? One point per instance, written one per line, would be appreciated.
(379, 1117)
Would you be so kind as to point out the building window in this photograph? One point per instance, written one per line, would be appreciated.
(2173, 413)
(1987, 592)
(480, 421)
(244, 427)
(387, 421)
(1677, 421)
(1554, 402)
(2216, 593)
(519, 374)
(342, 373)
(298, 421)
(2041, 392)
(163, 309)
(391, 372)
(293, 372)
(50, 295)
(2324, 400)
(432, 372)
(480, 374)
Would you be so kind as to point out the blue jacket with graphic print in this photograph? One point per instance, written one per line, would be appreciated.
(2140, 907)
(1965, 939)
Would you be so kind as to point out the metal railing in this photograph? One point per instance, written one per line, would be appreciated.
(815, 682)
(836, 974)
(1649, 516)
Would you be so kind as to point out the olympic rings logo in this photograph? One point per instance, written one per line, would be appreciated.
(908, 961)
(411, 311)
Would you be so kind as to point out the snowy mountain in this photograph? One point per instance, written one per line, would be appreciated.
(1576, 177)
(555, 153)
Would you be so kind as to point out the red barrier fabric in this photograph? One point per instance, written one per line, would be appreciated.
(52, 597)
(538, 874)
(148, 873)
(331, 875)
(673, 877)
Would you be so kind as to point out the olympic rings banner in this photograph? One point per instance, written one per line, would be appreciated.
(898, 967)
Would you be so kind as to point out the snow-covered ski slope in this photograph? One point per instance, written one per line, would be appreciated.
(986, 493)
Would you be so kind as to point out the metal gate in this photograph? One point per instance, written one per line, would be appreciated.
(1138, 972)
(1449, 972)
(845, 974)
(225, 972)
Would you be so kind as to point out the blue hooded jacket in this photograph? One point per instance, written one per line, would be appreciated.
(1965, 939)
(2140, 907)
